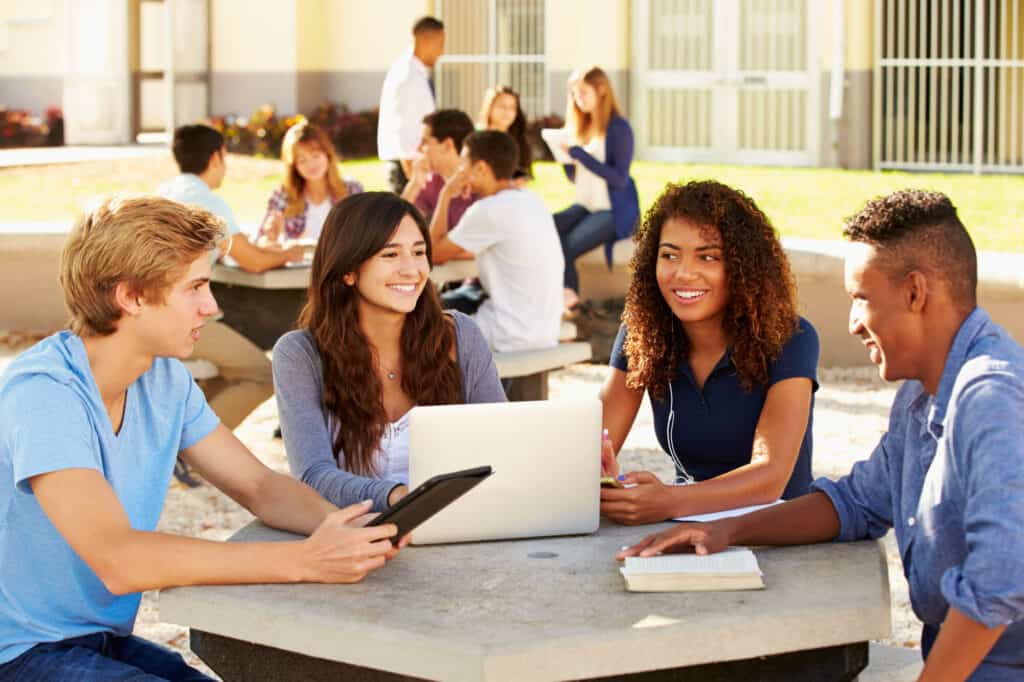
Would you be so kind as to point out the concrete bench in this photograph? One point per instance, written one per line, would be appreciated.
(529, 369)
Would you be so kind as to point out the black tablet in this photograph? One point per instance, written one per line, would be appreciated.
(431, 497)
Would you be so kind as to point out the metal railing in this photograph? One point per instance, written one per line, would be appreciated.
(493, 42)
(949, 85)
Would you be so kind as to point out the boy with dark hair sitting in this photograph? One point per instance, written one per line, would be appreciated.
(513, 238)
(202, 158)
(443, 134)
(91, 421)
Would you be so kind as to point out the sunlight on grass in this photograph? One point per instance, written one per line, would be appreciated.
(802, 202)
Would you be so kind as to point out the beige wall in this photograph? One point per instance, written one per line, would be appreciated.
(254, 35)
(588, 32)
(31, 38)
(362, 36)
(859, 27)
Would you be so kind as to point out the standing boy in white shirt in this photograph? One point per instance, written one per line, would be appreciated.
(406, 97)
(513, 238)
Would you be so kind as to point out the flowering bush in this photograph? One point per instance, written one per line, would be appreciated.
(354, 133)
(19, 128)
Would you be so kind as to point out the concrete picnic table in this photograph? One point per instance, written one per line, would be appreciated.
(543, 609)
(263, 306)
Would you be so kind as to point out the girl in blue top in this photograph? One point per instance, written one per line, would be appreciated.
(711, 332)
(606, 207)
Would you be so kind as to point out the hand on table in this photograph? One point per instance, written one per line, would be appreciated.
(647, 500)
(341, 550)
(702, 538)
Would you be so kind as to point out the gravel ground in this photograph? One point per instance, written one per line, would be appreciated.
(845, 394)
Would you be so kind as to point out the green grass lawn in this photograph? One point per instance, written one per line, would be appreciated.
(808, 203)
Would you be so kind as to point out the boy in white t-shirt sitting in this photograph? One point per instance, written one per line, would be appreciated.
(512, 235)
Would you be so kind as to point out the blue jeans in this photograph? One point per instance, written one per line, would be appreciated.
(580, 231)
(100, 657)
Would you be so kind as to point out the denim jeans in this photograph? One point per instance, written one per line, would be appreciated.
(579, 230)
(100, 657)
(466, 298)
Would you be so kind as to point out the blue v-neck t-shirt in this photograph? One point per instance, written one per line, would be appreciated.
(711, 431)
(52, 418)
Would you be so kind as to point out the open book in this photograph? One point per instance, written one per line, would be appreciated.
(555, 138)
(734, 569)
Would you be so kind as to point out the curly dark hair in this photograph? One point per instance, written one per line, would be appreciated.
(915, 229)
(761, 313)
(355, 230)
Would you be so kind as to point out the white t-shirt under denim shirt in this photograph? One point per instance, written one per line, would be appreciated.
(592, 189)
(519, 257)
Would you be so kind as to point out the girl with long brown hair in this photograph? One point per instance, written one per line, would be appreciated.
(312, 185)
(606, 206)
(372, 343)
(711, 333)
(501, 111)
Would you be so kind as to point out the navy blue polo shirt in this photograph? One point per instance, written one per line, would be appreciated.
(712, 431)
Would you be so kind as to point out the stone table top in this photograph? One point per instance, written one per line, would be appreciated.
(546, 609)
(297, 277)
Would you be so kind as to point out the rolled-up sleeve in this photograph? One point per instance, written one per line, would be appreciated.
(987, 448)
(863, 498)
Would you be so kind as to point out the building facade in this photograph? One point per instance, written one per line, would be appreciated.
(916, 84)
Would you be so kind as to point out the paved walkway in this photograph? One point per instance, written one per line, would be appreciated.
(42, 156)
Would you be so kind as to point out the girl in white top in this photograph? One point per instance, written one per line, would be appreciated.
(606, 207)
(312, 185)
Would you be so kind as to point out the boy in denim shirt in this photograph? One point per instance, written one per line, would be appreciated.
(948, 475)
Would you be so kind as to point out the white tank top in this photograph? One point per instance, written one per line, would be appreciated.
(592, 189)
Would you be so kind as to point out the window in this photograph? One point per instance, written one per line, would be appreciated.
(488, 43)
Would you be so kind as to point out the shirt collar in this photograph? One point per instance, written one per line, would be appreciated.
(417, 65)
(975, 324)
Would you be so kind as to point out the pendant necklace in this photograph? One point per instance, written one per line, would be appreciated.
(389, 373)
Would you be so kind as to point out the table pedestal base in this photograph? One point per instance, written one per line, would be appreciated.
(238, 661)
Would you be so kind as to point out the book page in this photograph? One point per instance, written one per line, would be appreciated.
(555, 138)
(726, 513)
(732, 560)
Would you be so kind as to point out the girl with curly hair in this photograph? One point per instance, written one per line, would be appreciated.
(312, 185)
(372, 343)
(711, 332)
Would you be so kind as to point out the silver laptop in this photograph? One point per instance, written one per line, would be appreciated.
(546, 457)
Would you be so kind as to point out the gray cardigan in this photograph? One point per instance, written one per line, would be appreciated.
(298, 385)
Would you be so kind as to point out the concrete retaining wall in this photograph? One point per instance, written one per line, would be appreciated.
(33, 301)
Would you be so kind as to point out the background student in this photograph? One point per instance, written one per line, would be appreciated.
(312, 185)
(513, 238)
(91, 420)
(244, 377)
(948, 475)
(440, 146)
(405, 98)
(202, 157)
(711, 332)
(373, 343)
(501, 111)
(606, 207)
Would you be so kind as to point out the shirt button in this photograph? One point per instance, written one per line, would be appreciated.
(911, 522)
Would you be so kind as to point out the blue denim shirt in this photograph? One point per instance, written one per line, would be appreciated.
(949, 477)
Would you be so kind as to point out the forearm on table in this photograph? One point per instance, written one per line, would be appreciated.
(140, 560)
(754, 483)
(285, 503)
(805, 520)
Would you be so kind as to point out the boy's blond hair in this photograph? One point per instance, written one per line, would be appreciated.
(144, 241)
